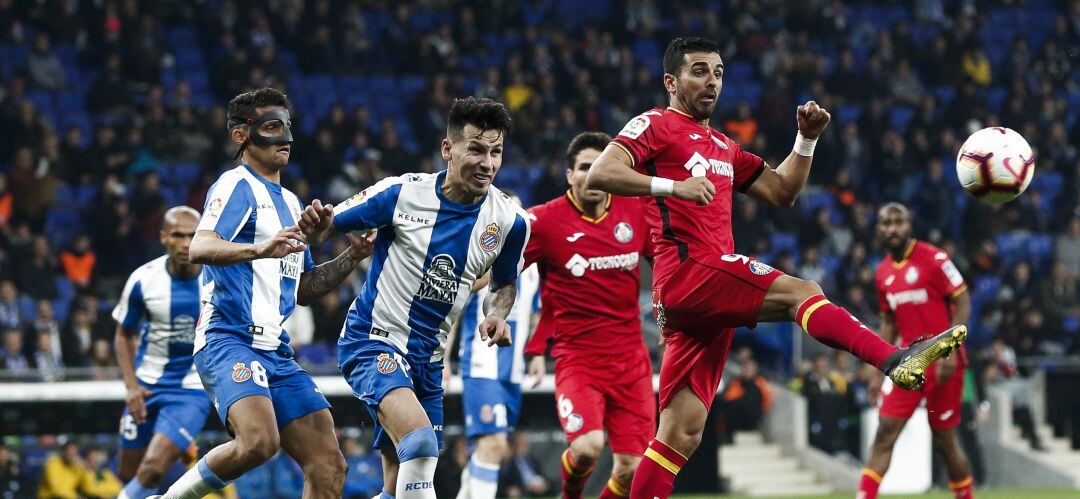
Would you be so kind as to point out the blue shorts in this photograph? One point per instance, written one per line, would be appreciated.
(177, 413)
(491, 406)
(231, 370)
(374, 368)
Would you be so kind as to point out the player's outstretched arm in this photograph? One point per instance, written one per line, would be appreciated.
(497, 305)
(613, 173)
(781, 187)
(324, 278)
(124, 342)
(207, 247)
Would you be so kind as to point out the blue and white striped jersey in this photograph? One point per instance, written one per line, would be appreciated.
(164, 309)
(428, 252)
(478, 360)
(250, 300)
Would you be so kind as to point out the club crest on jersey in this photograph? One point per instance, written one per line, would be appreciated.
(240, 372)
(486, 414)
(439, 282)
(911, 275)
(574, 422)
(635, 127)
(489, 239)
(385, 364)
(759, 268)
(624, 232)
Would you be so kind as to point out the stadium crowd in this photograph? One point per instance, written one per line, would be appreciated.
(113, 111)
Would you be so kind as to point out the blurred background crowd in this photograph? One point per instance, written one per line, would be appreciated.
(111, 111)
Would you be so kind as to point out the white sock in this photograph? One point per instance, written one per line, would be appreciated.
(483, 479)
(416, 478)
(464, 492)
(199, 481)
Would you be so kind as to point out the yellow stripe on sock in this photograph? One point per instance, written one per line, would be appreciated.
(569, 466)
(617, 488)
(961, 484)
(872, 474)
(810, 310)
(662, 461)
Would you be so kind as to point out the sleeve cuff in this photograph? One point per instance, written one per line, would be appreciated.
(959, 291)
(753, 177)
(633, 158)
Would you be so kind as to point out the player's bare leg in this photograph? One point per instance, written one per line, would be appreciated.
(389, 472)
(127, 463)
(257, 440)
(312, 442)
(803, 302)
(487, 457)
(579, 461)
(404, 420)
(880, 456)
(156, 460)
(679, 434)
(622, 474)
(947, 445)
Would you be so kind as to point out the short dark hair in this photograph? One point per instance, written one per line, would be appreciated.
(485, 114)
(675, 54)
(243, 106)
(583, 141)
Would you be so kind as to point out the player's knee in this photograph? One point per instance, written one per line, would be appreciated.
(586, 448)
(329, 471)
(150, 473)
(493, 448)
(259, 448)
(805, 289)
(418, 443)
(623, 470)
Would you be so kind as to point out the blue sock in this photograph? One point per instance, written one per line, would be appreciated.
(385, 495)
(209, 477)
(136, 490)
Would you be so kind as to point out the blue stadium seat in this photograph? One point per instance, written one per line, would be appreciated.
(86, 194)
(986, 288)
(780, 242)
(900, 116)
(847, 114)
(1040, 251)
(944, 94)
(995, 97)
(1011, 247)
(811, 201)
(62, 225)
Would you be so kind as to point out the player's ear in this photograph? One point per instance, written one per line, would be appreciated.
(239, 134)
(569, 172)
(445, 149)
(669, 82)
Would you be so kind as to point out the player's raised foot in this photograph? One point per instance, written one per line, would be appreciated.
(907, 366)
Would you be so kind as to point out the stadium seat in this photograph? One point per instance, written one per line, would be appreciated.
(900, 116)
(780, 242)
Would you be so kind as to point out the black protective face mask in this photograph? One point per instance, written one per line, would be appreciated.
(255, 124)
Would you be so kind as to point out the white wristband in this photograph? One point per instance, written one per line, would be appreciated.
(662, 187)
(804, 146)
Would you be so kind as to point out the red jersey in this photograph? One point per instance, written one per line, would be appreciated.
(670, 144)
(917, 290)
(589, 275)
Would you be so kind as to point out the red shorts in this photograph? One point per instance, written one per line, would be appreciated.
(610, 394)
(943, 400)
(697, 306)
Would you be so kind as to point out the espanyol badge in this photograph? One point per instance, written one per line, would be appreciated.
(489, 240)
(240, 373)
(385, 364)
(624, 232)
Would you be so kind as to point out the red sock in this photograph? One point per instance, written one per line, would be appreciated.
(655, 475)
(869, 484)
(615, 489)
(573, 476)
(837, 328)
(962, 489)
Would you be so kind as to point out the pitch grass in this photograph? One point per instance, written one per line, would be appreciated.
(934, 494)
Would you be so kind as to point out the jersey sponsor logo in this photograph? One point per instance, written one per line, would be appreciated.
(759, 268)
(439, 282)
(183, 329)
(489, 239)
(574, 422)
(575, 236)
(240, 372)
(385, 364)
(291, 265)
(577, 264)
(719, 143)
(699, 166)
(951, 273)
(911, 296)
(911, 275)
(635, 127)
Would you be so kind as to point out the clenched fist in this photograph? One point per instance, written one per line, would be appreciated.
(697, 189)
(812, 119)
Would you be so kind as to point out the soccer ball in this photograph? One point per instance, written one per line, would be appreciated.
(995, 164)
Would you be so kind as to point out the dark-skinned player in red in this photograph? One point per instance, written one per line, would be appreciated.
(920, 292)
(701, 289)
(588, 246)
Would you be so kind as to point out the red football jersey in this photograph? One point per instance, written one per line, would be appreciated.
(590, 275)
(670, 144)
(917, 290)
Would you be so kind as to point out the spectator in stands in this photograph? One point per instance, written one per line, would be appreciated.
(1057, 296)
(364, 478)
(329, 314)
(1001, 371)
(78, 340)
(976, 66)
(6, 203)
(102, 360)
(29, 190)
(78, 262)
(10, 473)
(98, 481)
(746, 400)
(37, 277)
(111, 89)
(12, 357)
(1067, 248)
(63, 474)
(452, 462)
(44, 67)
(522, 475)
(10, 314)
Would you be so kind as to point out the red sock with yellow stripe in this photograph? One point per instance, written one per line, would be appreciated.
(655, 475)
(962, 489)
(615, 489)
(574, 476)
(868, 484)
(837, 328)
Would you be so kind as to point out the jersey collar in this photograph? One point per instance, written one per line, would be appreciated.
(691, 118)
(587, 218)
(907, 254)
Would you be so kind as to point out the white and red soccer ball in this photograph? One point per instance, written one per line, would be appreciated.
(995, 164)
